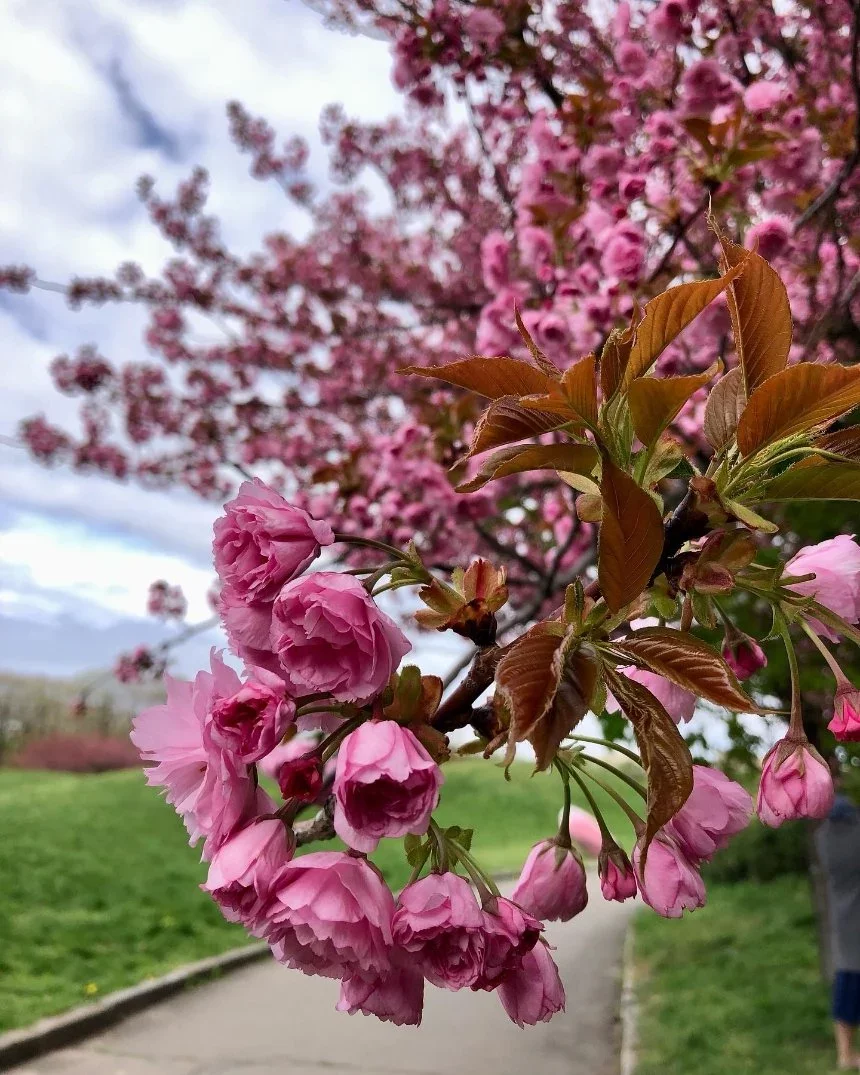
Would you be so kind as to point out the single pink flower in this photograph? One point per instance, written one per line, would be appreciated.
(845, 724)
(439, 921)
(386, 784)
(671, 883)
(330, 914)
(509, 933)
(552, 885)
(717, 809)
(679, 703)
(584, 830)
(397, 997)
(836, 565)
(244, 868)
(762, 95)
(617, 878)
(795, 783)
(250, 723)
(534, 993)
(743, 655)
(261, 541)
(332, 639)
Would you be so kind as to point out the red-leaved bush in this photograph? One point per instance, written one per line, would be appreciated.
(77, 754)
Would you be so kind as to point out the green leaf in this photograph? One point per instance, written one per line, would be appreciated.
(826, 481)
(749, 517)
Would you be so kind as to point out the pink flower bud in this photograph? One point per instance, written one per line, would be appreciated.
(251, 722)
(617, 879)
(717, 809)
(743, 655)
(670, 884)
(330, 914)
(397, 997)
(795, 783)
(244, 868)
(845, 724)
(509, 933)
(552, 885)
(440, 923)
(386, 784)
(331, 638)
(534, 993)
(301, 778)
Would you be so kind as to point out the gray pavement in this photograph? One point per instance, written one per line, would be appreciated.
(266, 1020)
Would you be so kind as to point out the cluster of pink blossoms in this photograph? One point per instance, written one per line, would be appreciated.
(319, 654)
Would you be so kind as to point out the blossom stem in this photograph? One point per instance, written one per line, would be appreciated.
(330, 744)
(592, 802)
(441, 846)
(371, 543)
(634, 819)
(795, 724)
(629, 780)
(485, 885)
(563, 838)
(632, 755)
(832, 663)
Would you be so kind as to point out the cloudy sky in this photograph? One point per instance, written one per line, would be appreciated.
(93, 93)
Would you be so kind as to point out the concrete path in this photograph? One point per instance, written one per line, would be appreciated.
(266, 1020)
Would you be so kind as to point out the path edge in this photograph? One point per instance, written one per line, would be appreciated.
(57, 1031)
(629, 1011)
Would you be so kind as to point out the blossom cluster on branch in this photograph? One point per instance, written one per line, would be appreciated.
(321, 656)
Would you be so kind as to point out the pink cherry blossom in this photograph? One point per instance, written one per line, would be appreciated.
(330, 914)
(845, 724)
(332, 639)
(744, 656)
(795, 783)
(671, 883)
(397, 997)
(509, 933)
(244, 869)
(439, 922)
(836, 566)
(717, 809)
(385, 785)
(262, 541)
(534, 993)
(617, 877)
(251, 722)
(552, 884)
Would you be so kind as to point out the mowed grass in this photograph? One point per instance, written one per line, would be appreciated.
(99, 889)
(734, 988)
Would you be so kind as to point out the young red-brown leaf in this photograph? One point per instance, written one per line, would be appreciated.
(826, 481)
(573, 458)
(667, 315)
(655, 402)
(844, 442)
(575, 396)
(761, 317)
(665, 756)
(724, 408)
(546, 684)
(689, 662)
(799, 399)
(615, 356)
(505, 422)
(541, 361)
(491, 377)
(631, 537)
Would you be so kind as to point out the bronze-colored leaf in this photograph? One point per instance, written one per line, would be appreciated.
(797, 400)
(665, 756)
(655, 402)
(615, 356)
(631, 538)
(518, 458)
(574, 396)
(844, 442)
(724, 408)
(505, 422)
(541, 361)
(491, 377)
(760, 313)
(546, 684)
(827, 481)
(689, 662)
(667, 315)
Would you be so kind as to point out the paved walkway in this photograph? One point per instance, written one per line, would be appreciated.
(266, 1020)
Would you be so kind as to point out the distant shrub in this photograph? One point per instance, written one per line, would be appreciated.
(762, 854)
(77, 754)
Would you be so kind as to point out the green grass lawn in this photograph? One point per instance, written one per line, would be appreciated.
(734, 989)
(98, 887)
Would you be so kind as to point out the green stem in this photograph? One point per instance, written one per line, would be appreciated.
(416, 870)
(372, 543)
(833, 664)
(330, 744)
(583, 787)
(795, 724)
(481, 879)
(634, 819)
(610, 744)
(563, 837)
(441, 846)
(628, 780)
